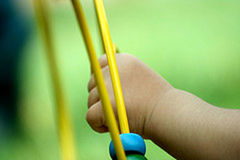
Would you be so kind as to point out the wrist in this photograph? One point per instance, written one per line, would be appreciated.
(159, 107)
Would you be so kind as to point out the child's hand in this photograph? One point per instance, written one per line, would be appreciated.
(181, 123)
(142, 90)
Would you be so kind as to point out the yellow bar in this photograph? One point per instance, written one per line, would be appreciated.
(66, 137)
(115, 48)
(123, 121)
(100, 37)
(107, 107)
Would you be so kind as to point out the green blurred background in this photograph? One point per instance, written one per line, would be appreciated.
(194, 45)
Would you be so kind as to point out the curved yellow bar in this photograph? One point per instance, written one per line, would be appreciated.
(107, 107)
(109, 48)
(66, 136)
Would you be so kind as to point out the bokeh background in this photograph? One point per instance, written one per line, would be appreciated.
(194, 45)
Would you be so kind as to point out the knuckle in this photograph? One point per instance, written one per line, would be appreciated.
(103, 60)
(91, 83)
(131, 60)
(89, 118)
(93, 96)
(94, 117)
(89, 101)
(127, 63)
(102, 57)
(106, 74)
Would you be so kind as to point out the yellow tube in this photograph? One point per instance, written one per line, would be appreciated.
(107, 107)
(66, 136)
(115, 48)
(109, 48)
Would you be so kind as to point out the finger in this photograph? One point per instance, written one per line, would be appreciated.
(95, 118)
(91, 83)
(103, 61)
(93, 97)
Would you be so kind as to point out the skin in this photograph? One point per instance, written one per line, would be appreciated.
(184, 125)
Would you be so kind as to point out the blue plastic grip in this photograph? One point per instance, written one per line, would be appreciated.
(131, 143)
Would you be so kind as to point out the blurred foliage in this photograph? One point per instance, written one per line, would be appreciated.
(195, 45)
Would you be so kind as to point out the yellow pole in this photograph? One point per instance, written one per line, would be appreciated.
(115, 48)
(109, 48)
(107, 107)
(66, 137)
(100, 37)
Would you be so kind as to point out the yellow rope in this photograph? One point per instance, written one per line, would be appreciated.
(66, 137)
(107, 107)
(109, 48)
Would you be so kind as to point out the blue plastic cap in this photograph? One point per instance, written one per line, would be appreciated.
(131, 143)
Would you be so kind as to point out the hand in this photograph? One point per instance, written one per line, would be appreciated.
(184, 125)
(142, 90)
